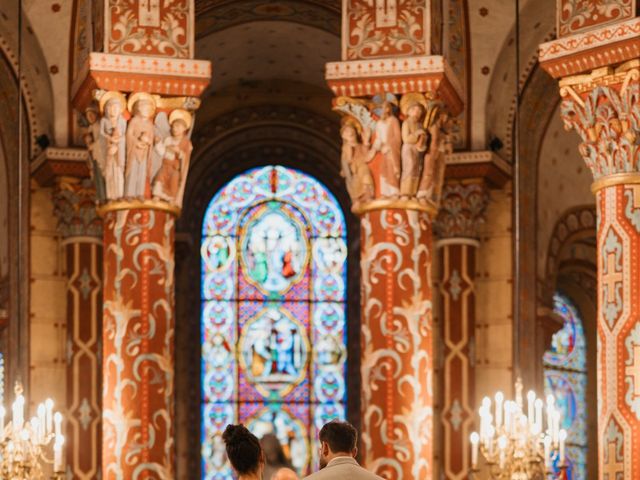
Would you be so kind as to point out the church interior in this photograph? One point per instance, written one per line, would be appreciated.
(420, 216)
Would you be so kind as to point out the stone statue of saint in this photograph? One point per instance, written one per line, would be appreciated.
(388, 141)
(140, 140)
(96, 160)
(354, 168)
(414, 144)
(433, 160)
(113, 128)
(175, 151)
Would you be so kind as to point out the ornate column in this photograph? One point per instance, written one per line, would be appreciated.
(599, 72)
(461, 212)
(66, 170)
(138, 99)
(81, 231)
(395, 95)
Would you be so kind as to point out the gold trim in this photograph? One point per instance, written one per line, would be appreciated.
(117, 205)
(632, 178)
(397, 204)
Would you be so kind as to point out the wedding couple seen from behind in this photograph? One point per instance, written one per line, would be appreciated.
(338, 449)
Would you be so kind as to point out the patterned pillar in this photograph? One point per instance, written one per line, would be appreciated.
(395, 94)
(81, 231)
(461, 212)
(138, 112)
(600, 101)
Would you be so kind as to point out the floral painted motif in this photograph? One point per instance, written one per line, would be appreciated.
(385, 28)
(397, 362)
(577, 15)
(150, 27)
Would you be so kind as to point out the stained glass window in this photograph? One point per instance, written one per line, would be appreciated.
(565, 377)
(273, 313)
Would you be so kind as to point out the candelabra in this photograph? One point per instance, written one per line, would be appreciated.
(514, 444)
(26, 447)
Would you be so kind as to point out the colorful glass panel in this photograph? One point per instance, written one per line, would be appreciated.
(274, 257)
(565, 378)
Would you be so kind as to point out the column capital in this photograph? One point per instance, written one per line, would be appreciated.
(462, 210)
(75, 206)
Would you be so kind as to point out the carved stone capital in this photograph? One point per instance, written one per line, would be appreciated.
(462, 210)
(602, 108)
(75, 207)
(394, 150)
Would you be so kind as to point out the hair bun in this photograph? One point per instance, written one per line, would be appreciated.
(235, 433)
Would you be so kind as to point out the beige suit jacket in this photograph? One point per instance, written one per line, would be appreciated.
(343, 468)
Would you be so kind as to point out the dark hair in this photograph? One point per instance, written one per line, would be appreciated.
(341, 436)
(243, 449)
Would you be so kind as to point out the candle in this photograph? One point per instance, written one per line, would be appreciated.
(57, 420)
(538, 406)
(550, 409)
(563, 437)
(499, 399)
(502, 445)
(556, 427)
(57, 454)
(507, 416)
(531, 398)
(2, 414)
(42, 422)
(490, 434)
(547, 452)
(49, 414)
(475, 439)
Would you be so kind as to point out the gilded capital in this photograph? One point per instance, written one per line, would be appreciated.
(462, 210)
(75, 206)
(602, 107)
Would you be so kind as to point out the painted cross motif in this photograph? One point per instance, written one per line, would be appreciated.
(611, 278)
(149, 13)
(612, 466)
(633, 370)
(386, 13)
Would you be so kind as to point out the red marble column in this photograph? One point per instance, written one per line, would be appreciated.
(81, 231)
(461, 212)
(397, 343)
(138, 334)
(601, 102)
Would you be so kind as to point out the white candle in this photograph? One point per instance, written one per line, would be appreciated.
(550, 409)
(547, 451)
(490, 434)
(42, 419)
(499, 399)
(2, 414)
(502, 445)
(475, 440)
(563, 437)
(49, 413)
(507, 416)
(556, 427)
(57, 454)
(538, 406)
(531, 398)
(57, 420)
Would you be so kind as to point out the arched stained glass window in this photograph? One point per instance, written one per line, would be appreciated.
(273, 314)
(565, 377)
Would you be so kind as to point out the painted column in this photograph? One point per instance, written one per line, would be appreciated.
(395, 96)
(137, 98)
(461, 212)
(600, 101)
(81, 231)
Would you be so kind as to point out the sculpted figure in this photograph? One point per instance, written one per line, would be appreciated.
(140, 139)
(96, 159)
(175, 151)
(112, 143)
(388, 141)
(354, 168)
(414, 144)
(433, 160)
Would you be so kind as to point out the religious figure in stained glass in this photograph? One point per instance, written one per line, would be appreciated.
(273, 317)
(565, 378)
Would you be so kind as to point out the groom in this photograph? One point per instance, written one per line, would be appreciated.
(337, 451)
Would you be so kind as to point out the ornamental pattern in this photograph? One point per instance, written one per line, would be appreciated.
(462, 210)
(574, 16)
(150, 27)
(274, 291)
(75, 207)
(397, 344)
(386, 28)
(607, 118)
